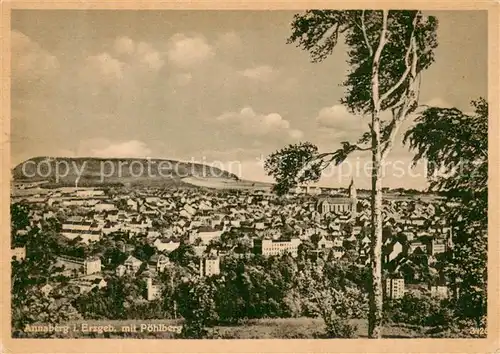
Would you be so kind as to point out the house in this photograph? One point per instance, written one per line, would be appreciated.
(86, 230)
(437, 247)
(190, 210)
(338, 242)
(439, 291)
(153, 200)
(392, 251)
(120, 270)
(417, 247)
(158, 262)
(357, 230)
(48, 215)
(71, 226)
(338, 252)
(93, 235)
(206, 234)
(100, 283)
(46, 289)
(132, 265)
(166, 244)
(153, 290)
(112, 215)
(110, 227)
(277, 247)
(209, 266)
(132, 204)
(92, 265)
(18, 253)
(88, 266)
(394, 288)
(152, 234)
(104, 206)
(324, 243)
(86, 285)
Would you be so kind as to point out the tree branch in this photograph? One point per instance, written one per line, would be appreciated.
(396, 124)
(376, 61)
(336, 157)
(411, 49)
(365, 35)
(409, 99)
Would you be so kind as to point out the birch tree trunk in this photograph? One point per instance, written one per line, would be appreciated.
(376, 295)
(376, 291)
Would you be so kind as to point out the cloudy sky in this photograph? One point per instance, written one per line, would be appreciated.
(204, 85)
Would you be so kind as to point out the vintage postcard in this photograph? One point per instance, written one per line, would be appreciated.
(245, 177)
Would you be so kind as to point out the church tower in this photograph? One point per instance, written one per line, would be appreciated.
(354, 199)
(352, 190)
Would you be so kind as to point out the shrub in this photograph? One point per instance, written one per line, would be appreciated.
(337, 327)
(421, 311)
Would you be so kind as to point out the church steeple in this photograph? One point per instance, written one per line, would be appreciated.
(354, 201)
(352, 190)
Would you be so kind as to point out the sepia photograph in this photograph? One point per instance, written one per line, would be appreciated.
(313, 174)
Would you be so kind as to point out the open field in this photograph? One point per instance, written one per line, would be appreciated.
(225, 183)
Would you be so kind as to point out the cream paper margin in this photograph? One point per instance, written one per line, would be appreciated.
(488, 345)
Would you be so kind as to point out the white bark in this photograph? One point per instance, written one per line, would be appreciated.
(365, 35)
(412, 49)
(376, 297)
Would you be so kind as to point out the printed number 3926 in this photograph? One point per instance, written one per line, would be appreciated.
(479, 331)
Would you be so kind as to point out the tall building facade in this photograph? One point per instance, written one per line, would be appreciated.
(394, 288)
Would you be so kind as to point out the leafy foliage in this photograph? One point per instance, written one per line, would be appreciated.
(318, 32)
(302, 163)
(415, 310)
(287, 164)
(19, 217)
(458, 143)
(455, 146)
(38, 308)
(197, 306)
(396, 49)
(335, 304)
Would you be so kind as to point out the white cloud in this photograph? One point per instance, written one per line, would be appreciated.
(337, 117)
(230, 40)
(131, 148)
(104, 66)
(185, 51)
(126, 59)
(29, 60)
(141, 52)
(438, 102)
(254, 124)
(153, 60)
(259, 73)
(124, 45)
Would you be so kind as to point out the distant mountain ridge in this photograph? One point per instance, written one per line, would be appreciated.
(94, 171)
